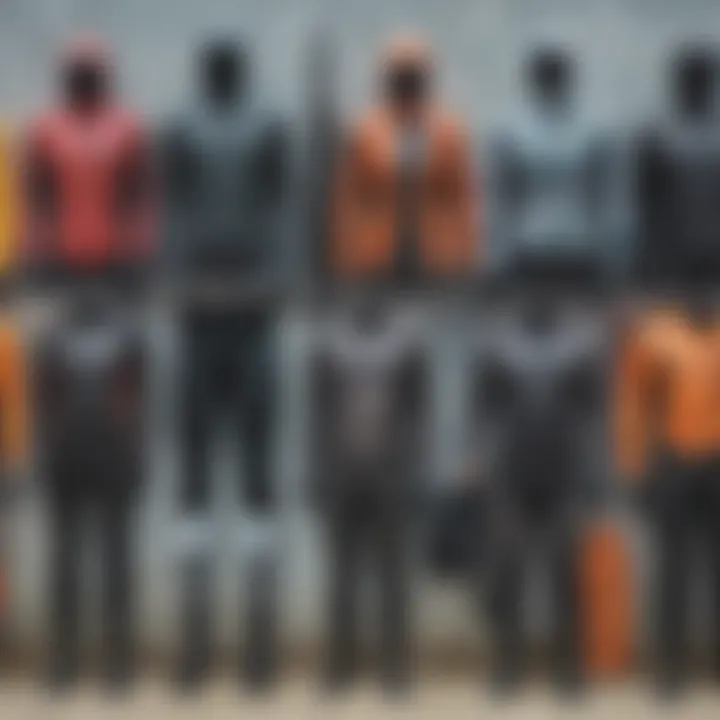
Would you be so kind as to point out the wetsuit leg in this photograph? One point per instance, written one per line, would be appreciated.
(564, 559)
(254, 398)
(711, 536)
(507, 551)
(674, 533)
(346, 535)
(67, 516)
(392, 557)
(115, 515)
(200, 415)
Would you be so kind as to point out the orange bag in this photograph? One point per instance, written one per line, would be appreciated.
(607, 603)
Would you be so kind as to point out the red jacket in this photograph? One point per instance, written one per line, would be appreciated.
(88, 189)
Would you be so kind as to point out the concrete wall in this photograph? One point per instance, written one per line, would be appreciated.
(621, 44)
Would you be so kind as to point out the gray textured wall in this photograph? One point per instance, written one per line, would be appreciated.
(620, 42)
(621, 45)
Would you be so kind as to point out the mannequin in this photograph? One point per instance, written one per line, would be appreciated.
(225, 160)
(368, 390)
(90, 394)
(88, 177)
(539, 409)
(678, 166)
(553, 180)
(89, 226)
(413, 159)
(668, 442)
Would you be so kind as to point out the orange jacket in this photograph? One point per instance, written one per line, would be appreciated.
(366, 192)
(668, 392)
(14, 420)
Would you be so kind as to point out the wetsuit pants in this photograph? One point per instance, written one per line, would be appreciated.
(83, 513)
(368, 530)
(519, 526)
(229, 378)
(685, 504)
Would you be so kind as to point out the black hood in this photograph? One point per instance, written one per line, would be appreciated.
(224, 69)
(694, 78)
(550, 76)
(87, 74)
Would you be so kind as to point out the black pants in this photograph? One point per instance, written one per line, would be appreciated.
(369, 526)
(685, 502)
(230, 365)
(518, 527)
(108, 512)
(229, 359)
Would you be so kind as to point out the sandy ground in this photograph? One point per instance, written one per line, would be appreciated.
(296, 700)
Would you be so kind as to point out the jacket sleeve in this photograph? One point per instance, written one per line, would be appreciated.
(652, 190)
(343, 203)
(138, 195)
(9, 215)
(470, 237)
(175, 170)
(38, 202)
(501, 181)
(275, 171)
(612, 195)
